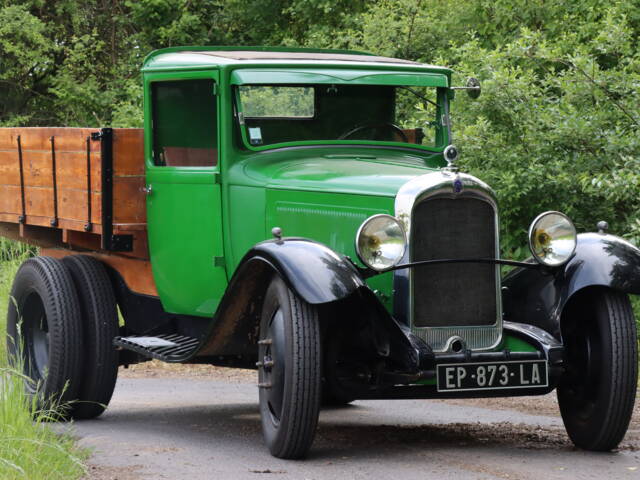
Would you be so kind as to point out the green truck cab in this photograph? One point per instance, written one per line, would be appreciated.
(306, 218)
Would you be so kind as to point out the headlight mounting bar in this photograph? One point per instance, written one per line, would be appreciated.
(512, 263)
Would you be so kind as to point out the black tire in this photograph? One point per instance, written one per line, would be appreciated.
(290, 388)
(100, 326)
(598, 392)
(44, 332)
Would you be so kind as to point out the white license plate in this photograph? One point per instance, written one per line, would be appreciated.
(492, 375)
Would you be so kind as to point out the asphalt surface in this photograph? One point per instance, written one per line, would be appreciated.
(195, 428)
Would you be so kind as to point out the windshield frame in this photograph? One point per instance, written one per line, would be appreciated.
(335, 75)
(441, 117)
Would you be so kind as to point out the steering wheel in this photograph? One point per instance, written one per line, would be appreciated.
(377, 129)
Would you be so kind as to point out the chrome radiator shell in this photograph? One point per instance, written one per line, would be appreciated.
(452, 186)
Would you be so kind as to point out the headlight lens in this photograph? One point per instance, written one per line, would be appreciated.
(381, 242)
(552, 238)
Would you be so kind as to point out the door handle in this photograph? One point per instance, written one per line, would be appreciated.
(147, 190)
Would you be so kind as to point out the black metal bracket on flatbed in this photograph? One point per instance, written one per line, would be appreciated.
(23, 216)
(110, 242)
(54, 181)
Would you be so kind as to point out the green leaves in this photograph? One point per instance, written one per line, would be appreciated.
(557, 125)
(24, 59)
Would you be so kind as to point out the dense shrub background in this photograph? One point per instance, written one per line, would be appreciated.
(557, 126)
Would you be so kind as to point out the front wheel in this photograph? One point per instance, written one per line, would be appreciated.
(598, 392)
(289, 372)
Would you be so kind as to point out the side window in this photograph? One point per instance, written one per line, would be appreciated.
(184, 123)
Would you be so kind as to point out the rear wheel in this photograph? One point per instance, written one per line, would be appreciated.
(44, 332)
(598, 392)
(289, 372)
(100, 325)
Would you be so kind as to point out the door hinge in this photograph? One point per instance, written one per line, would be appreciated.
(218, 262)
(215, 89)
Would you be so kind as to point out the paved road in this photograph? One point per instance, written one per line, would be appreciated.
(183, 428)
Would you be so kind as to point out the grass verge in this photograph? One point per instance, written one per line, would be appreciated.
(29, 448)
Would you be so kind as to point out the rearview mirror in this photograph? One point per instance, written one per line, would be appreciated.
(472, 87)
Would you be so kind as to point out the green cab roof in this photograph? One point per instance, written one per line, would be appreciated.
(331, 76)
(199, 57)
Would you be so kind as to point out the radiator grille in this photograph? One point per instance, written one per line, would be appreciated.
(453, 295)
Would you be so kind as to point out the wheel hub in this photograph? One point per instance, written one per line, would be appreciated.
(36, 337)
(272, 364)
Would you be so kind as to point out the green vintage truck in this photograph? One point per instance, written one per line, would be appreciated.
(300, 212)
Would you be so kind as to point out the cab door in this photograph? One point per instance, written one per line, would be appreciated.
(184, 212)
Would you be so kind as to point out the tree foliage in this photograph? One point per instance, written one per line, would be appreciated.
(557, 126)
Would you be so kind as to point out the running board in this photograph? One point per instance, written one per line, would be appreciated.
(168, 348)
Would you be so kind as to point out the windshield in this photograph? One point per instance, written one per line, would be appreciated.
(282, 114)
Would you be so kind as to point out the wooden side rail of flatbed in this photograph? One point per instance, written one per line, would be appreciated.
(77, 189)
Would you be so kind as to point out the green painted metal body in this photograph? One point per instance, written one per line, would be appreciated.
(202, 220)
(184, 215)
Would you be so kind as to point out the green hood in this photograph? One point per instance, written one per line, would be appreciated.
(353, 171)
(320, 193)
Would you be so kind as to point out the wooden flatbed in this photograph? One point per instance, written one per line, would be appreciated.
(78, 189)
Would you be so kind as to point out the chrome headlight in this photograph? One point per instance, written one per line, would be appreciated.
(381, 242)
(552, 238)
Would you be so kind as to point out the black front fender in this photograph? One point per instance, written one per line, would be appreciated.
(319, 276)
(315, 272)
(538, 296)
(312, 270)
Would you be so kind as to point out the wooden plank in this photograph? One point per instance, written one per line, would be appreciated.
(46, 222)
(38, 138)
(71, 169)
(124, 228)
(8, 217)
(129, 202)
(83, 240)
(128, 151)
(9, 167)
(136, 273)
(10, 200)
(77, 225)
(72, 203)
